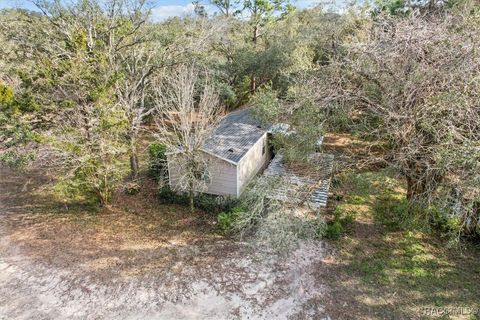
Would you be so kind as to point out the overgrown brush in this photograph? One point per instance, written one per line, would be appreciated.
(268, 223)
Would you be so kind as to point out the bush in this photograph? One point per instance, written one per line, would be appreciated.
(226, 220)
(168, 196)
(158, 161)
(334, 230)
(339, 224)
(456, 221)
(206, 202)
(215, 204)
(16, 160)
(226, 93)
(339, 120)
(397, 214)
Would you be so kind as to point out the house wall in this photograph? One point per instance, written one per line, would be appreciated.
(254, 161)
(223, 176)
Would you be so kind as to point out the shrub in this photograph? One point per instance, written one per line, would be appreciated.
(334, 230)
(226, 93)
(339, 120)
(206, 202)
(397, 214)
(456, 220)
(7, 97)
(16, 160)
(168, 196)
(226, 220)
(158, 161)
(214, 204)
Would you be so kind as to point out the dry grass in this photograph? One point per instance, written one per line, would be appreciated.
(140, 260)
(135, 236)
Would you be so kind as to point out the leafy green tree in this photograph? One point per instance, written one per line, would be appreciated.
(227, 7)
(70, 97)
(261, 13)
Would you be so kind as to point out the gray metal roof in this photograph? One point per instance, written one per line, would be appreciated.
(234, 136)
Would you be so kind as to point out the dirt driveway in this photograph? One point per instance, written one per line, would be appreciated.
(141, 261)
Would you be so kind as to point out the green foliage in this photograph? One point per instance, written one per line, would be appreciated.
(7, 98)
(210, 204)
(339, 224)
(392, 7)
(266, 105)
(334, 230)
(213, 204)
(396, 214)
(381, 195)
(13, 104)
(158, 161)
(227, 94)
(339, 121)
(26, 102)
(306, 129)
(16, 160)
(168, 196)
(226, 220)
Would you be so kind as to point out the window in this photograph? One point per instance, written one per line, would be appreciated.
(264, 149)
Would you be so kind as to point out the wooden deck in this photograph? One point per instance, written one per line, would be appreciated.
(301, 186)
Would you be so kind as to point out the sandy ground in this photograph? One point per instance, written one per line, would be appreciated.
(55, 266)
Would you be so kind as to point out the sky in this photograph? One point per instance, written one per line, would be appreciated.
(162, 9)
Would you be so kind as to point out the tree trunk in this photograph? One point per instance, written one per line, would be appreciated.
(191, 196)
(253, 83)
(253, 78)
(134, 165)
(104, 192)
(191, 182)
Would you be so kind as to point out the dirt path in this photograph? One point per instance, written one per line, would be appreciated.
(136, 276)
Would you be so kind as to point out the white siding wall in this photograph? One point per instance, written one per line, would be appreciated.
(223, 176)
(254, 161)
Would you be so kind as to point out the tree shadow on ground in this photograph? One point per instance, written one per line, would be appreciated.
(381, 271)
(137, 235)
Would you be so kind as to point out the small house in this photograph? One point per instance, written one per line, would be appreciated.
(236, 152)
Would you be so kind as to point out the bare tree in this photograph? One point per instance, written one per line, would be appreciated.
(145, 55)
(188, 111)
